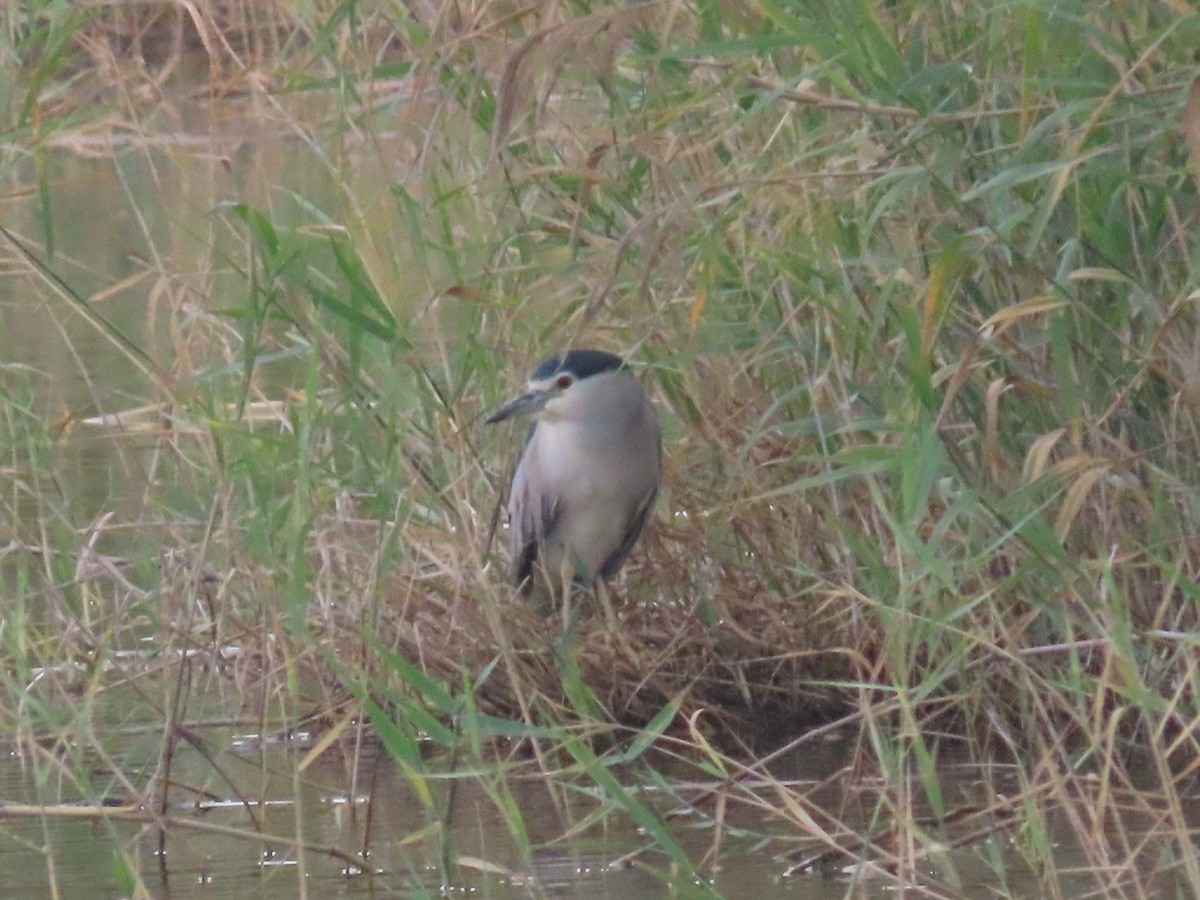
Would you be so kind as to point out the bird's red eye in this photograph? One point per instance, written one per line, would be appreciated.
(564, 382)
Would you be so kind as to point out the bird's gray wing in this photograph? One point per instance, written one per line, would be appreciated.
(636, 522)
(633, 530)
(533, 515)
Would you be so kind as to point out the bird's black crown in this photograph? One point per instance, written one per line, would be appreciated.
(580, 363)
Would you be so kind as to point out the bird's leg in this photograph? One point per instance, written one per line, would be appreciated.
(602, 594)
(566, 579)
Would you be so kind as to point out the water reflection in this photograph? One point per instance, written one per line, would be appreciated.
(113, 290)
(324, 817)
(318, 816)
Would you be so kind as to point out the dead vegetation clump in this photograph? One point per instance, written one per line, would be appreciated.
(705, 629)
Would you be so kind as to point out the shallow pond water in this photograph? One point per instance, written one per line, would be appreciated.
(408, 856)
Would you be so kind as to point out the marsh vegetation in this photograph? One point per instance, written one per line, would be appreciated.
(913, 287)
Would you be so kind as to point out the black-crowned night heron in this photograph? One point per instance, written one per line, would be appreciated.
(588, 474)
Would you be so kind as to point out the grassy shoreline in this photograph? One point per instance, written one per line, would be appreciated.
(913, 287)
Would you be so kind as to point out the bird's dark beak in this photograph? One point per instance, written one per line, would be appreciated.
(526, 405)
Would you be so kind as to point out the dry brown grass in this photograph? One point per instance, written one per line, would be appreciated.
(924, 346)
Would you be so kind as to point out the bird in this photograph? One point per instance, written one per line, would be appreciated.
(587, 476)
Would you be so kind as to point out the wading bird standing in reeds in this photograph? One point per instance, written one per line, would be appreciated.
(587, 476)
